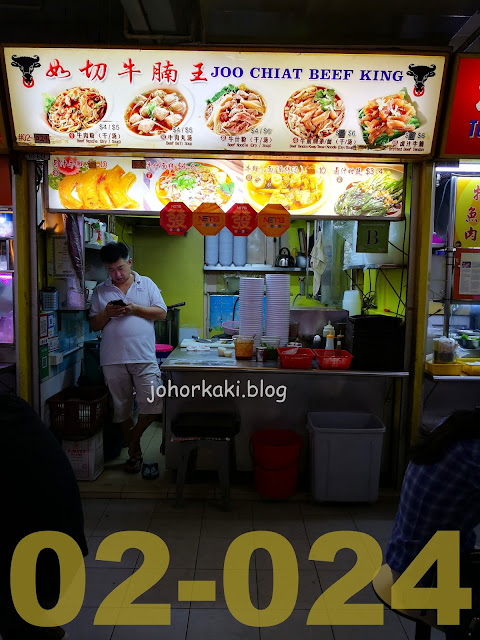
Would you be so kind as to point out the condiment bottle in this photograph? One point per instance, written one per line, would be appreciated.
(327, 329)
(330, 341)
(317, 342)
(340, 339)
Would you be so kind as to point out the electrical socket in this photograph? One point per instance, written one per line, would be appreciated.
(56, 359)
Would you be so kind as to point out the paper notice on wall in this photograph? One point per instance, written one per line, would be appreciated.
(62, 264)
(469, 280)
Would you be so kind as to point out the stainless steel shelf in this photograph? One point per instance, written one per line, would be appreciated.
(261, 268)
(463, 377)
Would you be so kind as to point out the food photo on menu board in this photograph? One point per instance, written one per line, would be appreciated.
(337, 189)
(213, 100)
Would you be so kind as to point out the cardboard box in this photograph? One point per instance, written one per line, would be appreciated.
(86, 456)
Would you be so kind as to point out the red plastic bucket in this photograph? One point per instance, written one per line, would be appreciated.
(276, 454)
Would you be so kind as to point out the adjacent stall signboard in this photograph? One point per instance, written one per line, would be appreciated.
(327, 189)
(462, 138)
(383, 104)
(467, 212)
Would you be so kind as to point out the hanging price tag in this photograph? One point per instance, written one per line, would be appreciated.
(274, 220)
(176, 218)
(241, 219)
(209, 219)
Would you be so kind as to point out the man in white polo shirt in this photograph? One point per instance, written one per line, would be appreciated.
(124, 309)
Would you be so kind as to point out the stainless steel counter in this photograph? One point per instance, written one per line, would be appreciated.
(264, 395)
(180, 359)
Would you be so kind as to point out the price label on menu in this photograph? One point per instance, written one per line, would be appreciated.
(330, 608)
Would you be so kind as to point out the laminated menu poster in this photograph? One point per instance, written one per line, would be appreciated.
(329, 189)
(466, 282)
(214, 100)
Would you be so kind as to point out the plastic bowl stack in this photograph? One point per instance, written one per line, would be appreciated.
(251, 308)
(277, 320)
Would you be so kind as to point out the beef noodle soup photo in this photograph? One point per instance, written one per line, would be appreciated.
(154, 112)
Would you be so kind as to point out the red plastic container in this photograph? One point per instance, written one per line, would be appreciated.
(162, 351)
(276, 454)
(295, 357)
(333, 358)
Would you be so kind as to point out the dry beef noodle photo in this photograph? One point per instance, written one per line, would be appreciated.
(75, 109)
(314, 112)
(233, 111)
(384, 119)
(154, 112)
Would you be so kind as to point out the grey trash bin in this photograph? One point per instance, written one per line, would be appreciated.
(346, 453)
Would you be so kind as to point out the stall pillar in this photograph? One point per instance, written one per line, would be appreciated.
(420, 249)
(23, 292)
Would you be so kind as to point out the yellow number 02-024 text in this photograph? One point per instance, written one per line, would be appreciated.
(331, 608)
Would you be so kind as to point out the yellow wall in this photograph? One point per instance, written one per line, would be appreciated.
(175, 264)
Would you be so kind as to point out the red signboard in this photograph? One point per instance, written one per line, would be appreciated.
(274, 220)
(5, 183)
(241, 219)
(209, 219)
(176, 218)
(463, 135)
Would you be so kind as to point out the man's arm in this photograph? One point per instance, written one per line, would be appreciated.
(99, 321)
(149, 313)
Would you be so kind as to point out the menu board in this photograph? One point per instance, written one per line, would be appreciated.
(304, 188)
(213, 100)
(462, 137)
(467, 212)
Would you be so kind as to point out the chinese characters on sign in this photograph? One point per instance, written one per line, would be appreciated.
(176, 218)
(214, 100)
(241, 219)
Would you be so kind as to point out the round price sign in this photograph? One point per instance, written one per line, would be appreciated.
(241, 219)
(209, 219)
(176, 218)
(274, 220)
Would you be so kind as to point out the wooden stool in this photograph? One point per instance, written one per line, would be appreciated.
(382, 585)
(215, 431)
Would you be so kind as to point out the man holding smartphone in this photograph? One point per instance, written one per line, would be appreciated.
(124, 308)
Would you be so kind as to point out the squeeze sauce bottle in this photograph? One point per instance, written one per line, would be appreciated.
(327, 330)
(330, 341)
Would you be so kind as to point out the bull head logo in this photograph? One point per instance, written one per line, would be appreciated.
(420, 75)
(26, 64)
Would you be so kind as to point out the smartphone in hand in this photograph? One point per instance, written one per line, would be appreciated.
(118, 303)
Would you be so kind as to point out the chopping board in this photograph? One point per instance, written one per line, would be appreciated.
(213, 345)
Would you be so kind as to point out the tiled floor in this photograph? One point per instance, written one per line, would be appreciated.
(198, 538)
